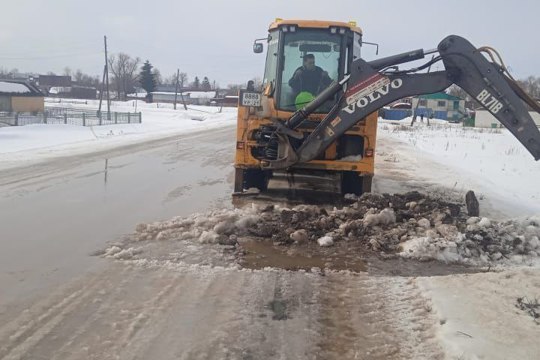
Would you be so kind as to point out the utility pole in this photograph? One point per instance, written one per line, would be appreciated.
(105, 83)
(176, 87)
(107, 78)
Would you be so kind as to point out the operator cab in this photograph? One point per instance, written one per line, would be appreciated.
(292, 46)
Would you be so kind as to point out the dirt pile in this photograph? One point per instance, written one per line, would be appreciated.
(380, 222)
(410, 225)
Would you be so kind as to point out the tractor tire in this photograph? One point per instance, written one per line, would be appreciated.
(255, 178)
(353, 183)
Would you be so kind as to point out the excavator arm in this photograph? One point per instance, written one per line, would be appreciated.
(371, 85)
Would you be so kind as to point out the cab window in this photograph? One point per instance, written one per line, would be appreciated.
(316, 55)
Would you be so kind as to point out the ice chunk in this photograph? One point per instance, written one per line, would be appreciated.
(326, 241)
(485, 222)
(299, 236)
(386, 216)
(423, 222)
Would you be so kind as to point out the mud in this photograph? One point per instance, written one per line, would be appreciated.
(255, 254)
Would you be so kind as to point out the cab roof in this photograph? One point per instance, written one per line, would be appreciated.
(315, 24)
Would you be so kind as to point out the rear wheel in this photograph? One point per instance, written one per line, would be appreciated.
(353, 183)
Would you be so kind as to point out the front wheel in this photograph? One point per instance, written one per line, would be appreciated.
(251, 178)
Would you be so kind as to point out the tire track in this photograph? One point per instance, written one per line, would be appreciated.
(25, 332)
(376, 318)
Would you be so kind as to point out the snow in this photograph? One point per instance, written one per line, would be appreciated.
(491, 161)
(42, 141)
(9, 87)
(478, 317)
(351, 158)
(402, 105)
(486, 242)
(58, 90)
(407, 121)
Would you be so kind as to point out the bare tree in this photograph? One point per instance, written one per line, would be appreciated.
(124, 69)
(455, 90)
(257, 83)
(531, 85)
(233, 89)
(7, 74)
(83, 79)
(182, 80)
(157, 76)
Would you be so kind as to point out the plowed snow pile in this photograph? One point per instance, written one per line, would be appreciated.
(410, 225)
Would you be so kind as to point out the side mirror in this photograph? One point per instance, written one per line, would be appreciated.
(257, 48)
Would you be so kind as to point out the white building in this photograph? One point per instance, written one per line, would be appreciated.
(190, 97)
(484, 119)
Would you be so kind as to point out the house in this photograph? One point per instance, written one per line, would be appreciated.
(47, 82)
(227, 101)
(190, 97)
(440, 105)
(168, 88)
(199, 97)
(20, 96)
(74, 92)
(484, 119)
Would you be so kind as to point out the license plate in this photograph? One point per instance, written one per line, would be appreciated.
(250, 99)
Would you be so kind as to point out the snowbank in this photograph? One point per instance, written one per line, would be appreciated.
(37, 142)
(481, 242)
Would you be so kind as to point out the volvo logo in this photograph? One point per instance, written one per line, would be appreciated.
(364, 101)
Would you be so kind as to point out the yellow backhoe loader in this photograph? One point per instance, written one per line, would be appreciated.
(317, 109)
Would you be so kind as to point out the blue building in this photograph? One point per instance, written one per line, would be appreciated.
(440, 105)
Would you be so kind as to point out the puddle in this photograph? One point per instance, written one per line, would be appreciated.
(262, 254)
(258, 255)
(279, 309)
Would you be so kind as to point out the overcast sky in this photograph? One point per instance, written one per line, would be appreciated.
(214, 37)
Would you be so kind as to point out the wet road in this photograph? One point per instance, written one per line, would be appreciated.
(55, 214)
(58, 302)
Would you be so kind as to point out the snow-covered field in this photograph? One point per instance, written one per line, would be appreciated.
(19, 144)
(489, 161)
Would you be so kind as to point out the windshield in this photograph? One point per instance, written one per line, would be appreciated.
(311, 63)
